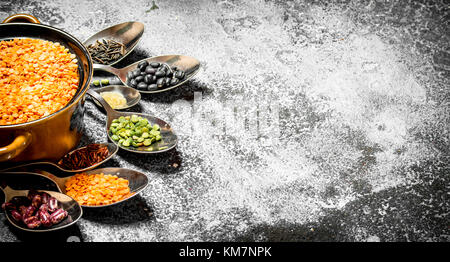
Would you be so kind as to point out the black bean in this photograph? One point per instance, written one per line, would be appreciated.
(169, 74)
(130, 75)
(143, 73)
(163, 68)
(148, 79)
(155, 64)
(167, 81)
(174, 68)
(142, 86)
(160, 73)
(136, 72)
(142, 65)
(133, 83)
(139, 79)
(152, 87)
(179, 74)
(160, 82)
(150, 70)
(174, 81)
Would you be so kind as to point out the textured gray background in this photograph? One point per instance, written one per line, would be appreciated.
(361, 149)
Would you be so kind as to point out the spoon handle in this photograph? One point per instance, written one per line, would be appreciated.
(107, 68)
(99, 98)
(59, 181)
(29, 164)
(11, 192)
(7, 191)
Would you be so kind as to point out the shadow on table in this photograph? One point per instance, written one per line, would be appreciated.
(68, 234)
(403, 219)
(183, 92)
(130, 211)
(169, 162)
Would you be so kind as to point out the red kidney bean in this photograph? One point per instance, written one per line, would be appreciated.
(22, 210)
(30, 219)
(32, 222)
(36, 201)
(44, 217)
(8, 206)
(58, 216)
(19, 201)
(29, 212)
(43, 207)
(52, 204)
(16, 215)
(34, 209)
(45, 197)
(32, 193)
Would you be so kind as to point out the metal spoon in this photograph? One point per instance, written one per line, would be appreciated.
(128, 33)
(188, 64)
(137, 180)
(131, 95)
(112, 150)
(67, 203)
(169, 138)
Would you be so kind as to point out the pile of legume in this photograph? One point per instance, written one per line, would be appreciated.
(154, 76)
(134, 131)
(115, 99)
(97, 189)
(36, 209)
(37, 78)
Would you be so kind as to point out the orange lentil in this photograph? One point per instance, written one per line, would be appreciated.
(97, 189)
(37, 78)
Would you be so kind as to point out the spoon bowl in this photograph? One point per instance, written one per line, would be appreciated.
(188, 64)
(169, 138)
(128, 33)
(112, 150)
(131, 95)
(67, 203)
(137, 180)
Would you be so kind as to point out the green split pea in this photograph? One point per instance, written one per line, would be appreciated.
(134, 131)
(103, 82)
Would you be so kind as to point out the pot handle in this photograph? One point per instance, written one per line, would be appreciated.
(16, 147)
(20, 18)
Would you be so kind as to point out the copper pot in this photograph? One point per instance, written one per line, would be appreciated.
(53, 136)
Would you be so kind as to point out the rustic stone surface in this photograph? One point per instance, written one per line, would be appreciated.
(337, 121)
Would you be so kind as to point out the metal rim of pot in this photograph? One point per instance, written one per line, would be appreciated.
(23, 138)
